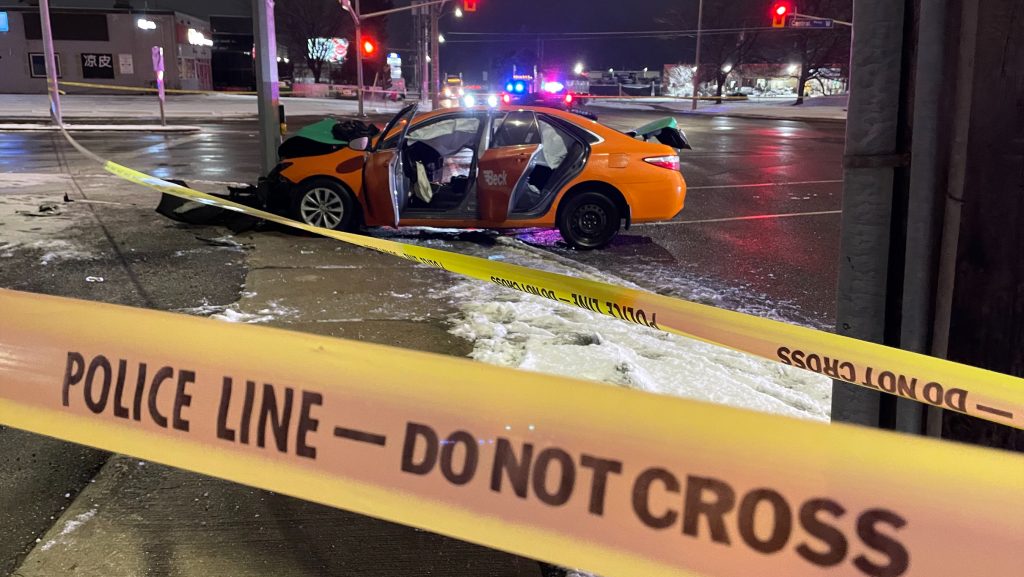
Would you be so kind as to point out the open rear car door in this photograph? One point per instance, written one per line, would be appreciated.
(502, 177)
(382, 189)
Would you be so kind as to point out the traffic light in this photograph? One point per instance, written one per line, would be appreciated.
(469, 5)
(369, 47)
(781, 11)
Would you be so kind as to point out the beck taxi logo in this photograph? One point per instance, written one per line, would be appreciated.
(496, 178)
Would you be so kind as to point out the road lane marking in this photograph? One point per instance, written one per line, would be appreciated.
(736, 218)
(761, 184)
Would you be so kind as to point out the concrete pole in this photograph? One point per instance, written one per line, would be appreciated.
(268, 93)
(696, 64)
(435, 60)
(874, 177)
(51, 64)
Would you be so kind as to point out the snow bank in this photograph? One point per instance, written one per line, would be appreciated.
(514, 329)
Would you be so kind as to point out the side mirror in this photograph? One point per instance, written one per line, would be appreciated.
(362, 143)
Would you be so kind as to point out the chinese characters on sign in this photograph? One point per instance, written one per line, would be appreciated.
(97, 65)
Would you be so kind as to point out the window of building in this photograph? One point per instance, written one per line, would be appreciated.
(68, 26)
(37, 65)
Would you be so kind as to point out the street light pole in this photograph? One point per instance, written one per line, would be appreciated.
(696, 65)
(359, 56)
(435, 61)
(51, 63)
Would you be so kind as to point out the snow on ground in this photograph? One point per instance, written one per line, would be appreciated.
(823, 108)
(70, 526)
(231, 314)
(514, 329)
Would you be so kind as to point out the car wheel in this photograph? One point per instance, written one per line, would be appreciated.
(324, 203)
(589, 221)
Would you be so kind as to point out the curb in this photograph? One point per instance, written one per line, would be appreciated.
(25, 127)
(745, 115)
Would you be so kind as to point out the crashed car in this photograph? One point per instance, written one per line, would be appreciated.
(481, 167)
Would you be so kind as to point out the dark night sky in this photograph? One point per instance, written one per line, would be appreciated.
(564, 16)
(508, 16)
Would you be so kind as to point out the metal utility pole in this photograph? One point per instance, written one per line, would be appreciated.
(424, 32)
(268, 94)
(51, 64)
(357, 19)
(696, 65)
(435, 60)
(359, 57)
(930, 257)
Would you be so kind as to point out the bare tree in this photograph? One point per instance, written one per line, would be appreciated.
(301, 22)
(731, 39)
(820, 52)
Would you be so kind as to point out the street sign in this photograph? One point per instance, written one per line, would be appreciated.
(798, 22)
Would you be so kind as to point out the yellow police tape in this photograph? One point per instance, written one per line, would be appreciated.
(610, 480)
(932, 381)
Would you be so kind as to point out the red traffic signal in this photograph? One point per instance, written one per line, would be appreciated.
(469, 5)
(781, 11)
(369, 47)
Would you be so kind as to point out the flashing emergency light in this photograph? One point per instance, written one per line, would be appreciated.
(506, 98)
(568, 98)
(492, 101)
(509, 87)
(520, 87)
(469, 5)
(553, 86)
(469, 100)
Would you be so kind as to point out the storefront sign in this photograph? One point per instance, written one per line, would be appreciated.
(126, 63)
(97, 65)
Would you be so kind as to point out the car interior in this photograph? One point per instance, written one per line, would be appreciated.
(437, 161)
(560, 155)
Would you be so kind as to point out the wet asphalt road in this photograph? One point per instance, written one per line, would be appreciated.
(759, 233)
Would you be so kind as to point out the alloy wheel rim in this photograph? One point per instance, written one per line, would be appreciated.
(322, 207)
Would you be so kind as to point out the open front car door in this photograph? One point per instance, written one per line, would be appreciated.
(383, 189)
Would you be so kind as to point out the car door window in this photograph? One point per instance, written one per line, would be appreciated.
(438, 157)
(516, 128)
(555, 143)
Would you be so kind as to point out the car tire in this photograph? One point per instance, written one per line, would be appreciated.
(589, 221)
(324, 203)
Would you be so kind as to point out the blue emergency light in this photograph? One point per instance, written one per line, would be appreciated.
(520, 87)
(4, 24)
(508, 87)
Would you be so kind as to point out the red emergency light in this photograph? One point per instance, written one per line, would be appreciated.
(469, 5)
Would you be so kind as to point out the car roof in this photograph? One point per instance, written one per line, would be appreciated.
(581, 121)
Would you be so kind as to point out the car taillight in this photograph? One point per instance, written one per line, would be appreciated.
(568, 98)
(506, 98)
(670, 162)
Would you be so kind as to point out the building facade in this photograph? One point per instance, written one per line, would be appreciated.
(108, 46)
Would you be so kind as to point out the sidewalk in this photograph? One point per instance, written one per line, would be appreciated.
(139, 518)
(823, 109)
